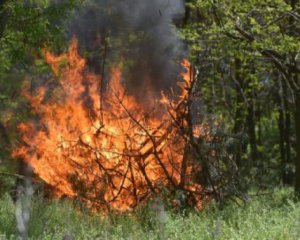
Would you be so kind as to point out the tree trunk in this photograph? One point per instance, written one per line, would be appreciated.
(238, 121)
(287, 114)
(287, 135)
(251, 128)
(297, 128)
(281, 141)
(284, 126)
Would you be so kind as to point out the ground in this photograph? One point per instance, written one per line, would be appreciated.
(269, 216)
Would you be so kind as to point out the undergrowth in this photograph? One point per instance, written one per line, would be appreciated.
(269, 216)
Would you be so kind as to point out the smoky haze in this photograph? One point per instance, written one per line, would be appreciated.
(140, 33)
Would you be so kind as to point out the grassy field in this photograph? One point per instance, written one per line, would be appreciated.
(271, 216)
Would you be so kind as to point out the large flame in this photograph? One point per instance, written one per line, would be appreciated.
(102, 146)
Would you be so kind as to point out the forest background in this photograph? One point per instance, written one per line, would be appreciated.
(246, 55)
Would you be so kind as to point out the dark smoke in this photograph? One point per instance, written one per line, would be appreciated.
(141, 32)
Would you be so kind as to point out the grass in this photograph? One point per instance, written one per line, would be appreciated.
(274, 216)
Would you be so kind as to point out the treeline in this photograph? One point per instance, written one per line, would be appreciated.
(248, 62)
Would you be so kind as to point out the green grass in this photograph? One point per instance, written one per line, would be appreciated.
(274, 216)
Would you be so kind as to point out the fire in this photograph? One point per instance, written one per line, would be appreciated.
(103, 147)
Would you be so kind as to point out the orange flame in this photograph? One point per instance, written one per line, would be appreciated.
(113, 155)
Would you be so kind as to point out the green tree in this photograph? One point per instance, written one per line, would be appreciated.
(242, 50)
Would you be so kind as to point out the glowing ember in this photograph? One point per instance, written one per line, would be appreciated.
(105, 150)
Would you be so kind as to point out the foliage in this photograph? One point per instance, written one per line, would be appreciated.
(244, 52)
(28, 26)
(270, 216)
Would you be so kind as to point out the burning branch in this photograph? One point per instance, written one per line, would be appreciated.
(115, 165)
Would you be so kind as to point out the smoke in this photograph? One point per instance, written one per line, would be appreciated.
(139, 33)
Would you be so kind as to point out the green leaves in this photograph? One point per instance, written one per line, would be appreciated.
(263, 20)
(30, 26)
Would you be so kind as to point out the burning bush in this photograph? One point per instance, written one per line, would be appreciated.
(104, 147)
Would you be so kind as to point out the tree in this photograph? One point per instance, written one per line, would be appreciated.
(239, 46)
